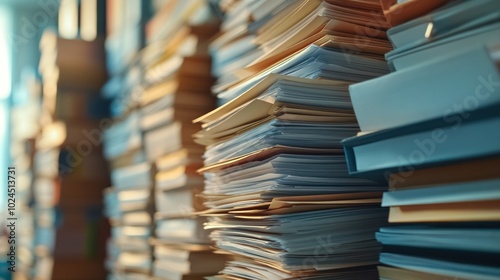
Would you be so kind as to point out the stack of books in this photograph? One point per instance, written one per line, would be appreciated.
(280, 199)
(129, 206)
(128, 202)
(70, 172)
(176, 89)
(153, 156)
(430, 130)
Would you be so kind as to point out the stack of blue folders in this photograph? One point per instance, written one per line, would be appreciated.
(431, 131)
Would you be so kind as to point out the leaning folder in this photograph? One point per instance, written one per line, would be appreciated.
(429, 90)
(458, 137)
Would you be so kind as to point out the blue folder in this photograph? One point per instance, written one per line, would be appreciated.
(454, 18)
(404, 58)
(436, 142)
(428, 90)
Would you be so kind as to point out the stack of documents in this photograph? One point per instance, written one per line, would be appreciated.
(284, 37)
(280, 199)
(69, 171)
(279, 168)
(176, 89)
(129, 201)
(129, 208)
(454, 211)
(154, 158)
(433, 138)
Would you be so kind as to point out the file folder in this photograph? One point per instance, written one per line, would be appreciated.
(426, 144)
(428, 90)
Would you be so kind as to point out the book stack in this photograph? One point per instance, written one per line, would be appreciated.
(70, 172)
(280, 199)
(153, 156)
(176, 89)
(25, 127)
(440, 154)
(129, 201)
(129, 207)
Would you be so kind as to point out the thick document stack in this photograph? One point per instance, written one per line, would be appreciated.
(280, 199)
(176, 89)
(311, 39)
(430, 129)
(129, 202)
(129, 206)
(70, 171)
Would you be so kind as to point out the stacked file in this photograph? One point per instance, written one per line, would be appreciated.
(129, 208)
(129, 203)
(311, 39)
(440, 155)
(69, 170)
(280, 199)
(176, 89)
(451, 28)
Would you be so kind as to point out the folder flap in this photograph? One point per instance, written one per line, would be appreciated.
(441, 83)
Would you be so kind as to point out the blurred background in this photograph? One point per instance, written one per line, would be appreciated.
(33, 132)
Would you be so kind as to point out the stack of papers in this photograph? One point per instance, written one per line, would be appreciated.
(463, 206)
(128, 205)
(68, 170)
(284, 169)
(284, 37)
(152, 152)
(176, 89)
(278, 193)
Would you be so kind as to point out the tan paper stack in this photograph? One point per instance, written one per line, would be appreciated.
(70, 171)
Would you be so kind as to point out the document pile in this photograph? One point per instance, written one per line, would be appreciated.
(276, 183)
(129, 208)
